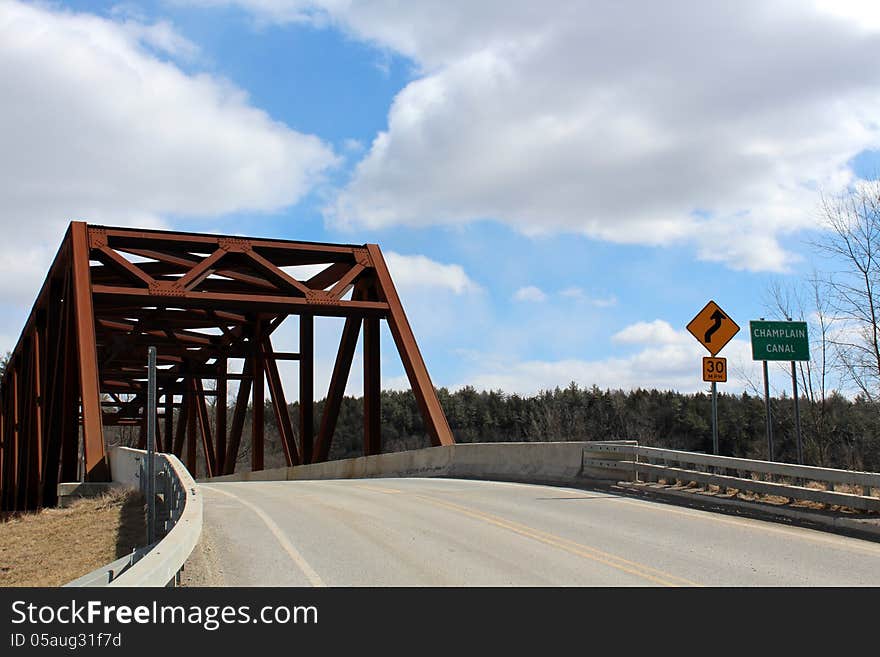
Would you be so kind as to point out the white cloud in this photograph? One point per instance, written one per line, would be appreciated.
(664, 366)
(530, 293)
(441, 302)
(664, 358)
(95, 126)
(865, 15)
(163, 37)
(606, 302)
(686, 122)
(579, 294)
(417, 271)
(353, 146)
(658, 332)
(270, 11)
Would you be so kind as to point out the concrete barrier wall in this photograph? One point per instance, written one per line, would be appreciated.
(125, 464)
(430, 462)
(538, 462)
(124, 469)
(549, 462)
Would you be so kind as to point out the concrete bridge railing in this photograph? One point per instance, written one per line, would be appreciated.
(548, 462)
(786, 480)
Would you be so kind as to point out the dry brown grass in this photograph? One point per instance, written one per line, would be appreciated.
(55, 546)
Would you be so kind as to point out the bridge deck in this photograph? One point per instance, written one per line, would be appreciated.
(446, 532)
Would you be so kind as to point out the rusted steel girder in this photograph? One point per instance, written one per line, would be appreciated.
(79, 364)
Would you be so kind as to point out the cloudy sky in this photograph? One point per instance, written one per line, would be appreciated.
(559, 186)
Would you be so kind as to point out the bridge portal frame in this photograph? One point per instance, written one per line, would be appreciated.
(80, 363)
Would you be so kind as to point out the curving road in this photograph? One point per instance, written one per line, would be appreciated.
(448, 532)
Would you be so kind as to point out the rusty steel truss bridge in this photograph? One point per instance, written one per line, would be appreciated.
(201, 300)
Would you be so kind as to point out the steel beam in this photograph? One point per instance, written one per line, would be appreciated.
(279, 405)
(105, 294)
(96, 466)
(68, 420)
(419, 379)
(191, 432)
(204, 428)
(338, 381)
(307, 385)
(39, 426)
(201, 271)
(238, 418)
(220, 412)
(16, 437)
(372, 389)
(257, 412)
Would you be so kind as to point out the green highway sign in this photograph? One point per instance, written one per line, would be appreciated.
(779, 340)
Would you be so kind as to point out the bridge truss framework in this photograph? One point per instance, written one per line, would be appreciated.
(80, 363)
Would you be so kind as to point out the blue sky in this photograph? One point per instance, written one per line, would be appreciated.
(561, 190)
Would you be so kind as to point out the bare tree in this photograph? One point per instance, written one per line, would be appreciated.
(851, 289)
(809, 304)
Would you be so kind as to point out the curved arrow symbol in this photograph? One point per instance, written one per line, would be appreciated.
(717, 316)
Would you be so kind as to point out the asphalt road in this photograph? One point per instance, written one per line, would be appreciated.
(447, 532)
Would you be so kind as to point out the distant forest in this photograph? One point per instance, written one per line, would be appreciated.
(838, 432)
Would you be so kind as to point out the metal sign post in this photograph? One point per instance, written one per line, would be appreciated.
(781, 341)
(797, 415)
(715, 418)
(151, 445)
(715, 371)
(769, 420)
(713, 328)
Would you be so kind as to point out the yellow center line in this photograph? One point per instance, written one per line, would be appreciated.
(378, 489)
(579, 549)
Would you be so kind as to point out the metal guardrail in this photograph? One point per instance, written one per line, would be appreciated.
(763, 477)
(169, 491)
(107, 573)
(179, 525)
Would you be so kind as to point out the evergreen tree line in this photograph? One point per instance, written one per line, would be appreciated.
(838, 432)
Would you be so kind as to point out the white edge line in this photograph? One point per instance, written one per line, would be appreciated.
(279, 534)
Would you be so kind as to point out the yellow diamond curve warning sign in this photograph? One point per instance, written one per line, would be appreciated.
(713, 328)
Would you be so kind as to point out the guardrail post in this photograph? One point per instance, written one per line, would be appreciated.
(715, 446)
